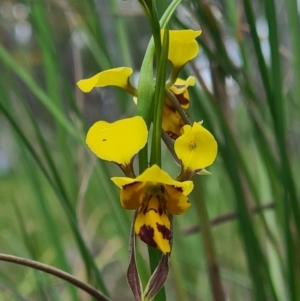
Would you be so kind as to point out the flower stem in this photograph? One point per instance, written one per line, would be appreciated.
(208, 244)
(55, 272)
(159, 97)
(156, 31)
(144, 107)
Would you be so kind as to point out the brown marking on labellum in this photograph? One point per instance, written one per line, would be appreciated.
(144, 208)
(128, 185)
(148, 210)
(166, 233)
(160, 210)
(182, 100)
(180, 189)
(146, 234)
(162, 204)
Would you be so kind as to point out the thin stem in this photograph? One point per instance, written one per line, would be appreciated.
(156, 32)
(227, 217)
(170, 145)
(159, 96)
(55, 272)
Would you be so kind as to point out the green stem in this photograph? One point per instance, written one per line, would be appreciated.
(39, 93)
(156, 32)
(145, 108)
(159, 97)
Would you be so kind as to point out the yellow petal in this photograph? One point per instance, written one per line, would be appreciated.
(177, 202)
(132, 196)
(196, 148)
(182, 46)
(122, 181)
(118, 141)
(153, 226)
(155, 174)
(181, 85)
(118, 77)
(172, 123)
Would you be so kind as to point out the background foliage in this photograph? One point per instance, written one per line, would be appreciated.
(57, 203)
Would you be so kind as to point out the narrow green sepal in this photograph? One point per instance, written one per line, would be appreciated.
(157, 279)
(204, 172)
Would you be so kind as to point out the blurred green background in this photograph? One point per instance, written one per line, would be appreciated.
(57, 203)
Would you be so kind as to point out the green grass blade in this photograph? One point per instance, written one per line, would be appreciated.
(7, 59)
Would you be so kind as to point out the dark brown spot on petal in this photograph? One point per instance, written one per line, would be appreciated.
(128, 185)
(144, 207)
(182, 100)
(103, 139)
(166, 233)
(180, 189)
(160, 210)
(146, 234)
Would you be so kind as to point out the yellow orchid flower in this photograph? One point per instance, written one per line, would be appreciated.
(156, 196)
(179, 89)
(183, 47)
(118, 77)
(119, 141)
(172, 123)
(196, 148)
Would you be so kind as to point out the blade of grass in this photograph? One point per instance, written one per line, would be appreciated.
(62, 196)
(6, 286)
(93, 22)
(294, 25)
(53, 74)
(208, 244)
(52, 234)
(251, 243)
(59, 116)
(290, 202)
(31, 249)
